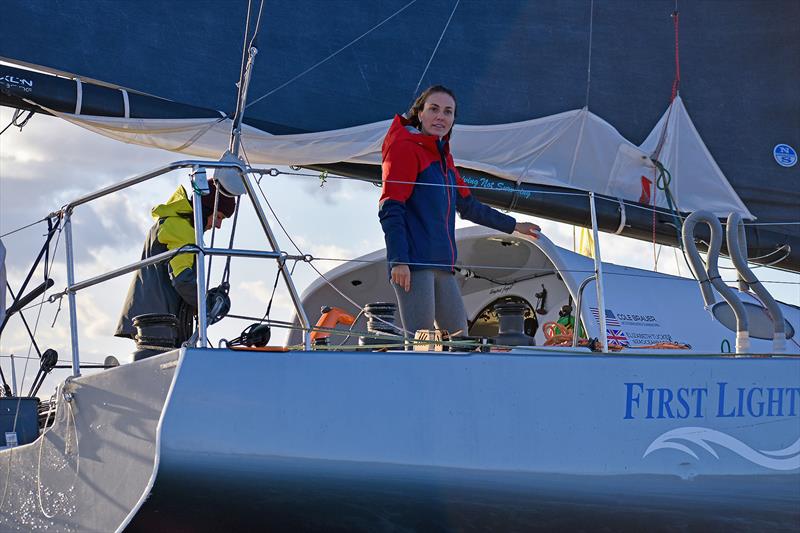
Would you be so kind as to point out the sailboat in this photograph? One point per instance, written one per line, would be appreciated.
(567, 113)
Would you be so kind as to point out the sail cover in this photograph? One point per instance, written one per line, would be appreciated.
(326, 66)
(576, 149)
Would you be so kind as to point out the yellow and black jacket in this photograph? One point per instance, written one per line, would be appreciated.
(168, 287)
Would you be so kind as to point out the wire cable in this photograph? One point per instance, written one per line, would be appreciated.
(319, 273)
(14, 120)
(26, 226)
(275, 172)
(589, 62)
(334, 54)
(435, 48)
(36, 324)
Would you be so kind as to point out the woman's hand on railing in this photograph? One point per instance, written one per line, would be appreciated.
(528, 228)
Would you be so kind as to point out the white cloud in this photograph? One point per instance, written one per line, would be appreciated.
(258, 289)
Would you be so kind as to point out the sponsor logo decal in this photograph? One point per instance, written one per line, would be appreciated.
(617, 337)
(678, 439)
(785, 155)
(632, 329)
(13, 82)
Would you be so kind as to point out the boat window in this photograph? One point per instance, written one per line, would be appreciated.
(486, 323)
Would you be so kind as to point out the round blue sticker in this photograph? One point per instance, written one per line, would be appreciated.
(785, 155)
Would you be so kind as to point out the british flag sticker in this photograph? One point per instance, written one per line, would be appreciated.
(617, 337)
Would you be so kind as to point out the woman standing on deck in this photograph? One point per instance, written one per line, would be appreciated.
(422, 190)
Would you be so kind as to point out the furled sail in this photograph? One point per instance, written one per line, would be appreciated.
(541, 72)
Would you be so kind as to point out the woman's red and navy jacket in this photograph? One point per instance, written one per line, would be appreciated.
(422, 190)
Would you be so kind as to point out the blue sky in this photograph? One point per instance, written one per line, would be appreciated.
(52, 162)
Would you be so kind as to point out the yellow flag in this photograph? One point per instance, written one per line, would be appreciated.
(586, 243)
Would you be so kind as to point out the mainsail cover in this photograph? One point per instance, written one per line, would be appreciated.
(326, 66)
(576, 149)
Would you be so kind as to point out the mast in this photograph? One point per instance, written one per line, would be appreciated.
(235, 146)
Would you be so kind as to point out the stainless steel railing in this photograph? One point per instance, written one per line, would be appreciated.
(199, 184)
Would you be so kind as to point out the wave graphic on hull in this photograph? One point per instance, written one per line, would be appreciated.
(785, 459)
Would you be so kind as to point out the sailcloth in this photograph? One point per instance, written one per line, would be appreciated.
(575, 149)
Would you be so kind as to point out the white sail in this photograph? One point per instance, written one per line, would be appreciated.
(575, 149)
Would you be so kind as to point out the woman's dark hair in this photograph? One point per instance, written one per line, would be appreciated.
(419, 103)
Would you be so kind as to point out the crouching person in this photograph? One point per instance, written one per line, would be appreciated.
(170, 287)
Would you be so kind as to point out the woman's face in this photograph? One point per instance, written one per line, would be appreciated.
(438, 114)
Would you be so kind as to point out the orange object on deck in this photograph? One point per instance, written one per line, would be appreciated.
(331, 317)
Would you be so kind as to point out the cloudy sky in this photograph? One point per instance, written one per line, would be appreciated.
(51, 162)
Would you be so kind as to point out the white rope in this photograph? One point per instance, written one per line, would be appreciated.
(435, 48)
(337, 52)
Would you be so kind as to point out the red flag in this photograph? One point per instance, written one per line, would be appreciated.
(646, 186)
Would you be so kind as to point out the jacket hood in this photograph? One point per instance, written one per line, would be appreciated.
(177, 205)
(399, 132)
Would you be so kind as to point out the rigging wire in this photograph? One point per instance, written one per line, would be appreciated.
(226, 272)
(527, 269)
(264, 196)
(337, 52)
(15, 118)
(275, 172)
(26, 226)
(213, 230)
(38, 316)
(60, 361)
(244, 49)
(589, 62)
(249, 52)
(435, 48)
(27, 360)
(662, 182)
(319, 273)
